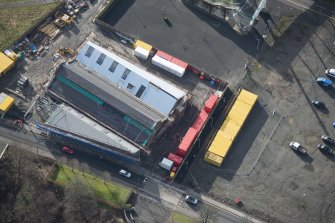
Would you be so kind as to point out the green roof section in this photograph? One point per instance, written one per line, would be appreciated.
(80, 89)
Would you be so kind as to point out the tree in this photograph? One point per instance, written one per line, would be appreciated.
(207, 215)
(80, 202)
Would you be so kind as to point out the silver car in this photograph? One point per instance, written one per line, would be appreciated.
(125, 173)
(330, 73)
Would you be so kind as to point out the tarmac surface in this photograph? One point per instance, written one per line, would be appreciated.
(193, 36)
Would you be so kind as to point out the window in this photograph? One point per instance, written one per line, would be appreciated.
(113, 66)
(140, 91)
(89, 51)
(130, 86)
(125, 74)
(101, 59)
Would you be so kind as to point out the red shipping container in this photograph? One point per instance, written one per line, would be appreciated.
(179, 63)
(187, 141)
(176, 159)
(200, 121)
(164, 55)
(210, 103)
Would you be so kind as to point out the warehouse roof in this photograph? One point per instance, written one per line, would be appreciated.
(111, 94)
(70, 120)
(151, 90)
(5, 63)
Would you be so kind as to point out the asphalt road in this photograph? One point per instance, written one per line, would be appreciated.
(166, 198)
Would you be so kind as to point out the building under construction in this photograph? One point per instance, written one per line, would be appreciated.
(112, 103)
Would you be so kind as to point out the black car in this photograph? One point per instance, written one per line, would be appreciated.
(318, 104)
(324, 148)
(327, 139)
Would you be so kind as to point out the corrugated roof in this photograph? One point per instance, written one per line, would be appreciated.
(154, 91)
(112, 95)
(69, 119)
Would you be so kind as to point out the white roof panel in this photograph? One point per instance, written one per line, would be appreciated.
(140, 76)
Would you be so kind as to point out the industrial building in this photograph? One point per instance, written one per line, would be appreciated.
(114, 102)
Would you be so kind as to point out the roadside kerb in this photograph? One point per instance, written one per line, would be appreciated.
(229, 209)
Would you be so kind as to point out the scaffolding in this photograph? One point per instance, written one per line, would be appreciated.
(245, 16)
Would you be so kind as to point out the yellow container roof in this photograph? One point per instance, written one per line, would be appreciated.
(143, 45)
(213, 159)
(6, 102)
(5, 62)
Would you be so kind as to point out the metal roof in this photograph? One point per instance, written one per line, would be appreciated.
(70, 120)
(111, 94)
(159, 94)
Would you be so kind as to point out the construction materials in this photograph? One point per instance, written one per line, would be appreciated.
(177, 160)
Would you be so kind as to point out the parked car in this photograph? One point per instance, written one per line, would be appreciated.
(325, 82)
(327, 139)
(68, 150)
(125, 173)
(318, 104)
(190, 199)
(297, 147)
(324, 148)
(330, 73)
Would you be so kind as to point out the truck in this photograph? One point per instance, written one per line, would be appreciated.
(297, 147)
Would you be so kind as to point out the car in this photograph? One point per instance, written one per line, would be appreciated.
(324, 148)
(190, 199)
(330, 73)
(297, 147)
(125, 173)
(327, 139)
(318, 104)
(325, 82)
(68, 150)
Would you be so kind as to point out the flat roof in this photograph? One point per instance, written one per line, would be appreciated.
(111, 94)
(151, 90)
(5, 63)
(71, 120)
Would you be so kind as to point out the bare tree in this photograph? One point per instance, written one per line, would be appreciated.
(80, 202)
(207, 215)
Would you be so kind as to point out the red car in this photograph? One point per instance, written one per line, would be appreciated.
(68, 150)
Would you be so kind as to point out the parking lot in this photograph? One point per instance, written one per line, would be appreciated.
(193, 36)
(273, 181)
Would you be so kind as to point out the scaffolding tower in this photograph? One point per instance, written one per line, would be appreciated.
(245, 16)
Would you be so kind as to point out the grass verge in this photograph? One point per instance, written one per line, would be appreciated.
(15, 22)
(108, 192)
(178, 217)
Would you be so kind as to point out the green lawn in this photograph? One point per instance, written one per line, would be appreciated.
(16, 21)
(178, 217)
(106, 191)
(2, 1)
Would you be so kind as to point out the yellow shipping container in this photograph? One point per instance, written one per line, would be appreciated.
(5, 64)
(142, 45)
(6, 102)
(230, 128)
(213, 159)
